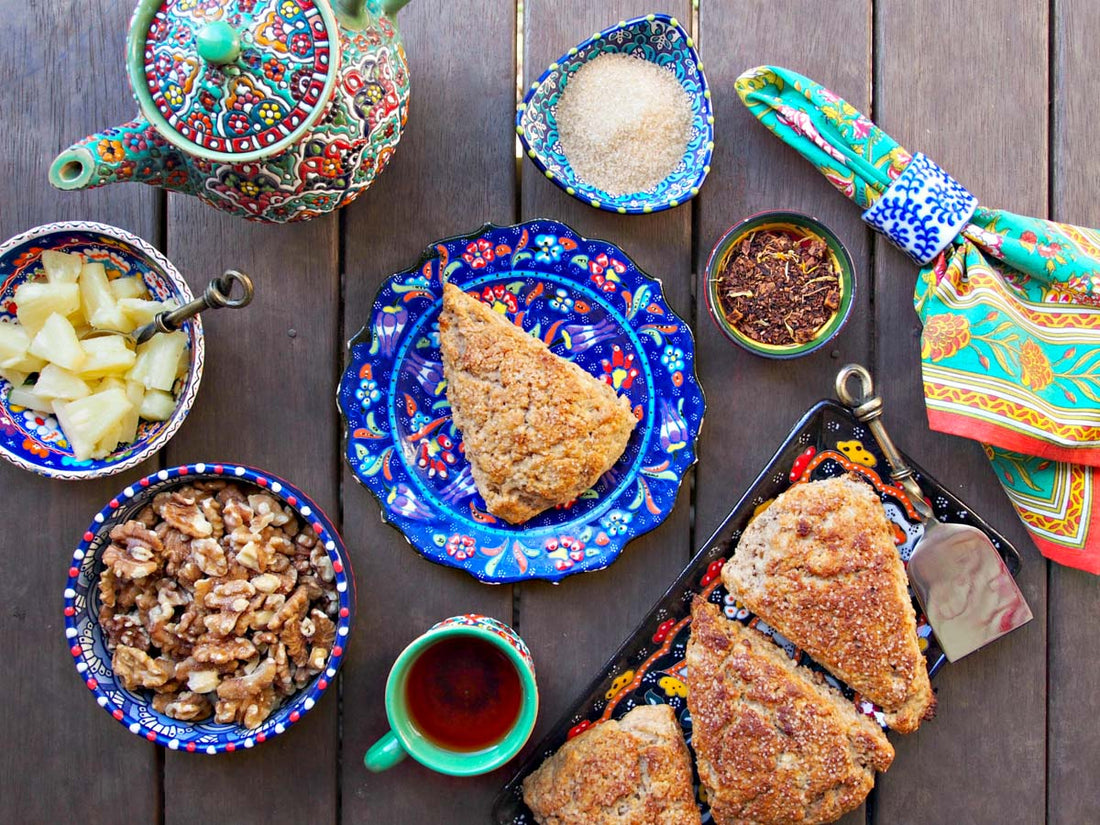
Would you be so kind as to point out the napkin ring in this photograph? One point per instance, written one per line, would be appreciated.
(922, 211)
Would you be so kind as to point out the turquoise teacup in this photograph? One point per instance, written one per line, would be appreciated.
(407, 737)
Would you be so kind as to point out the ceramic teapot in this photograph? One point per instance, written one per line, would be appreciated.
(272, 110)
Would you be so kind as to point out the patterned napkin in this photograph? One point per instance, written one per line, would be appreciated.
(1010, 350)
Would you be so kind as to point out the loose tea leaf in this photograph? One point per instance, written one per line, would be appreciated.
(778, 289)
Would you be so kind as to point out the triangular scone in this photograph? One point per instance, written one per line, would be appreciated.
(537, 430)
(635, 771)
(821, 567)
(771, 744)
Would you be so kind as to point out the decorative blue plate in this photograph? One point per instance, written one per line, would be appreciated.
(659, 39)
(593, 306)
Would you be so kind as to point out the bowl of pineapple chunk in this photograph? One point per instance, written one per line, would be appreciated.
(78, 398)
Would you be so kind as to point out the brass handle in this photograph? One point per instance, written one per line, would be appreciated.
(867, 408)
(218, 294)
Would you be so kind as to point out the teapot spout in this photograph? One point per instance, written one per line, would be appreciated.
(133, 152)
(392, 7)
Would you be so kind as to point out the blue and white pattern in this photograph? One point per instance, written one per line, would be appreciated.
(922, 211)
(590, 305)
(84, 636)
(659, 39)
(36, 442)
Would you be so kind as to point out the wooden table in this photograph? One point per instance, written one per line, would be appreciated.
(1015, 739)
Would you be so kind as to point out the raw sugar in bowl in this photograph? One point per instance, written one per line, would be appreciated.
(780, 284)
(35, 440)
(656, 139)
(206, 660)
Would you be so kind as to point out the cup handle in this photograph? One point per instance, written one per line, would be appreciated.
(384, 754)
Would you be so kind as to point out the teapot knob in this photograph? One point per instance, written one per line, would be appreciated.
(218, 43)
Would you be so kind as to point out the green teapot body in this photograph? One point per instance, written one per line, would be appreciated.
(272, 110)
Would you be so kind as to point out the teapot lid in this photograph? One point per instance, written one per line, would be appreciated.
(233, 80)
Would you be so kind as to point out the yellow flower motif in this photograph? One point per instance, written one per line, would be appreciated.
(111, 150)
(249, 188)
(1035, 369)
(289, 9)
(270, 113)
(173, 94)
(943, 336)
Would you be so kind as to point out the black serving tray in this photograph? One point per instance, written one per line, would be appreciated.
(649, 669)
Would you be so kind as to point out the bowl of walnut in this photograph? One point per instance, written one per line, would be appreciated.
(208, 606)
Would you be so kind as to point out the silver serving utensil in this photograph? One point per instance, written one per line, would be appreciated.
(959, 578)
(218, 294)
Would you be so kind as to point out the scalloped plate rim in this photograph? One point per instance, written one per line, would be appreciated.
(364, 335)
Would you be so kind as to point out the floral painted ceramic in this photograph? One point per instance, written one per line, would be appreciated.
(494, 626)
(34, 441)
(271, 110)
(649, 668)
(590, 304)
(86, 643)
(659, 39)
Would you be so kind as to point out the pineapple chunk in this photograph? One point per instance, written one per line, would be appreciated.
(14, 342)
(55, 382)
(86, 421)
(157, 406)
(158, 359)
(14, 377)
(140, 312)
(61, 267)
(136, 393)
(26, 397)
(109, 443)
(131, 286)
(36, 302)
(97, 301)
(57, 343)
(106, 355)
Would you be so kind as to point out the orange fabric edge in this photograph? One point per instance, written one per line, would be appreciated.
(1009, 439)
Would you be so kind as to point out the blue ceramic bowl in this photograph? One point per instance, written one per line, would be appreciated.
(34, 441)
(84, 636)
(659, 39)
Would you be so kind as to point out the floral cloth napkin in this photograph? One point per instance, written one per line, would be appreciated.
(1010, 350)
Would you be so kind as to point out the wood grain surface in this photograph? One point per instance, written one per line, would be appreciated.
(453, 171)
(753, 401)
(574, 626)
(1005, 746)
(1073, 749)
(50, 726)
(991, 133)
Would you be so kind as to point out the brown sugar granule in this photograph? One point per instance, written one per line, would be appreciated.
(778, 289)
(624, 123)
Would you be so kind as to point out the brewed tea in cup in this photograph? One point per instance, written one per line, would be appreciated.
(461, 699)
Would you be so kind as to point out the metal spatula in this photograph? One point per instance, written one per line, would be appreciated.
(959, 578)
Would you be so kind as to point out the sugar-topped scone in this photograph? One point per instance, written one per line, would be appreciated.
(537, 430)
(635, 771)
(820, 566)
(773, 746)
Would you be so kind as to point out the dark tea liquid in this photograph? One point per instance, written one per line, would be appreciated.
(463, 693)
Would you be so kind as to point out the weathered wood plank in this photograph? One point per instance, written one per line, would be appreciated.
(982, 759)
(453, 171)
(53, 96)
(753, 402)
(575, 626)
(264, 401)
(1073, 752)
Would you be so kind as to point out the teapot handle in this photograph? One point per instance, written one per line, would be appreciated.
(355, 14)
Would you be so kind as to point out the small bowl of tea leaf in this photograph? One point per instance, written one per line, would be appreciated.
(780, 284)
